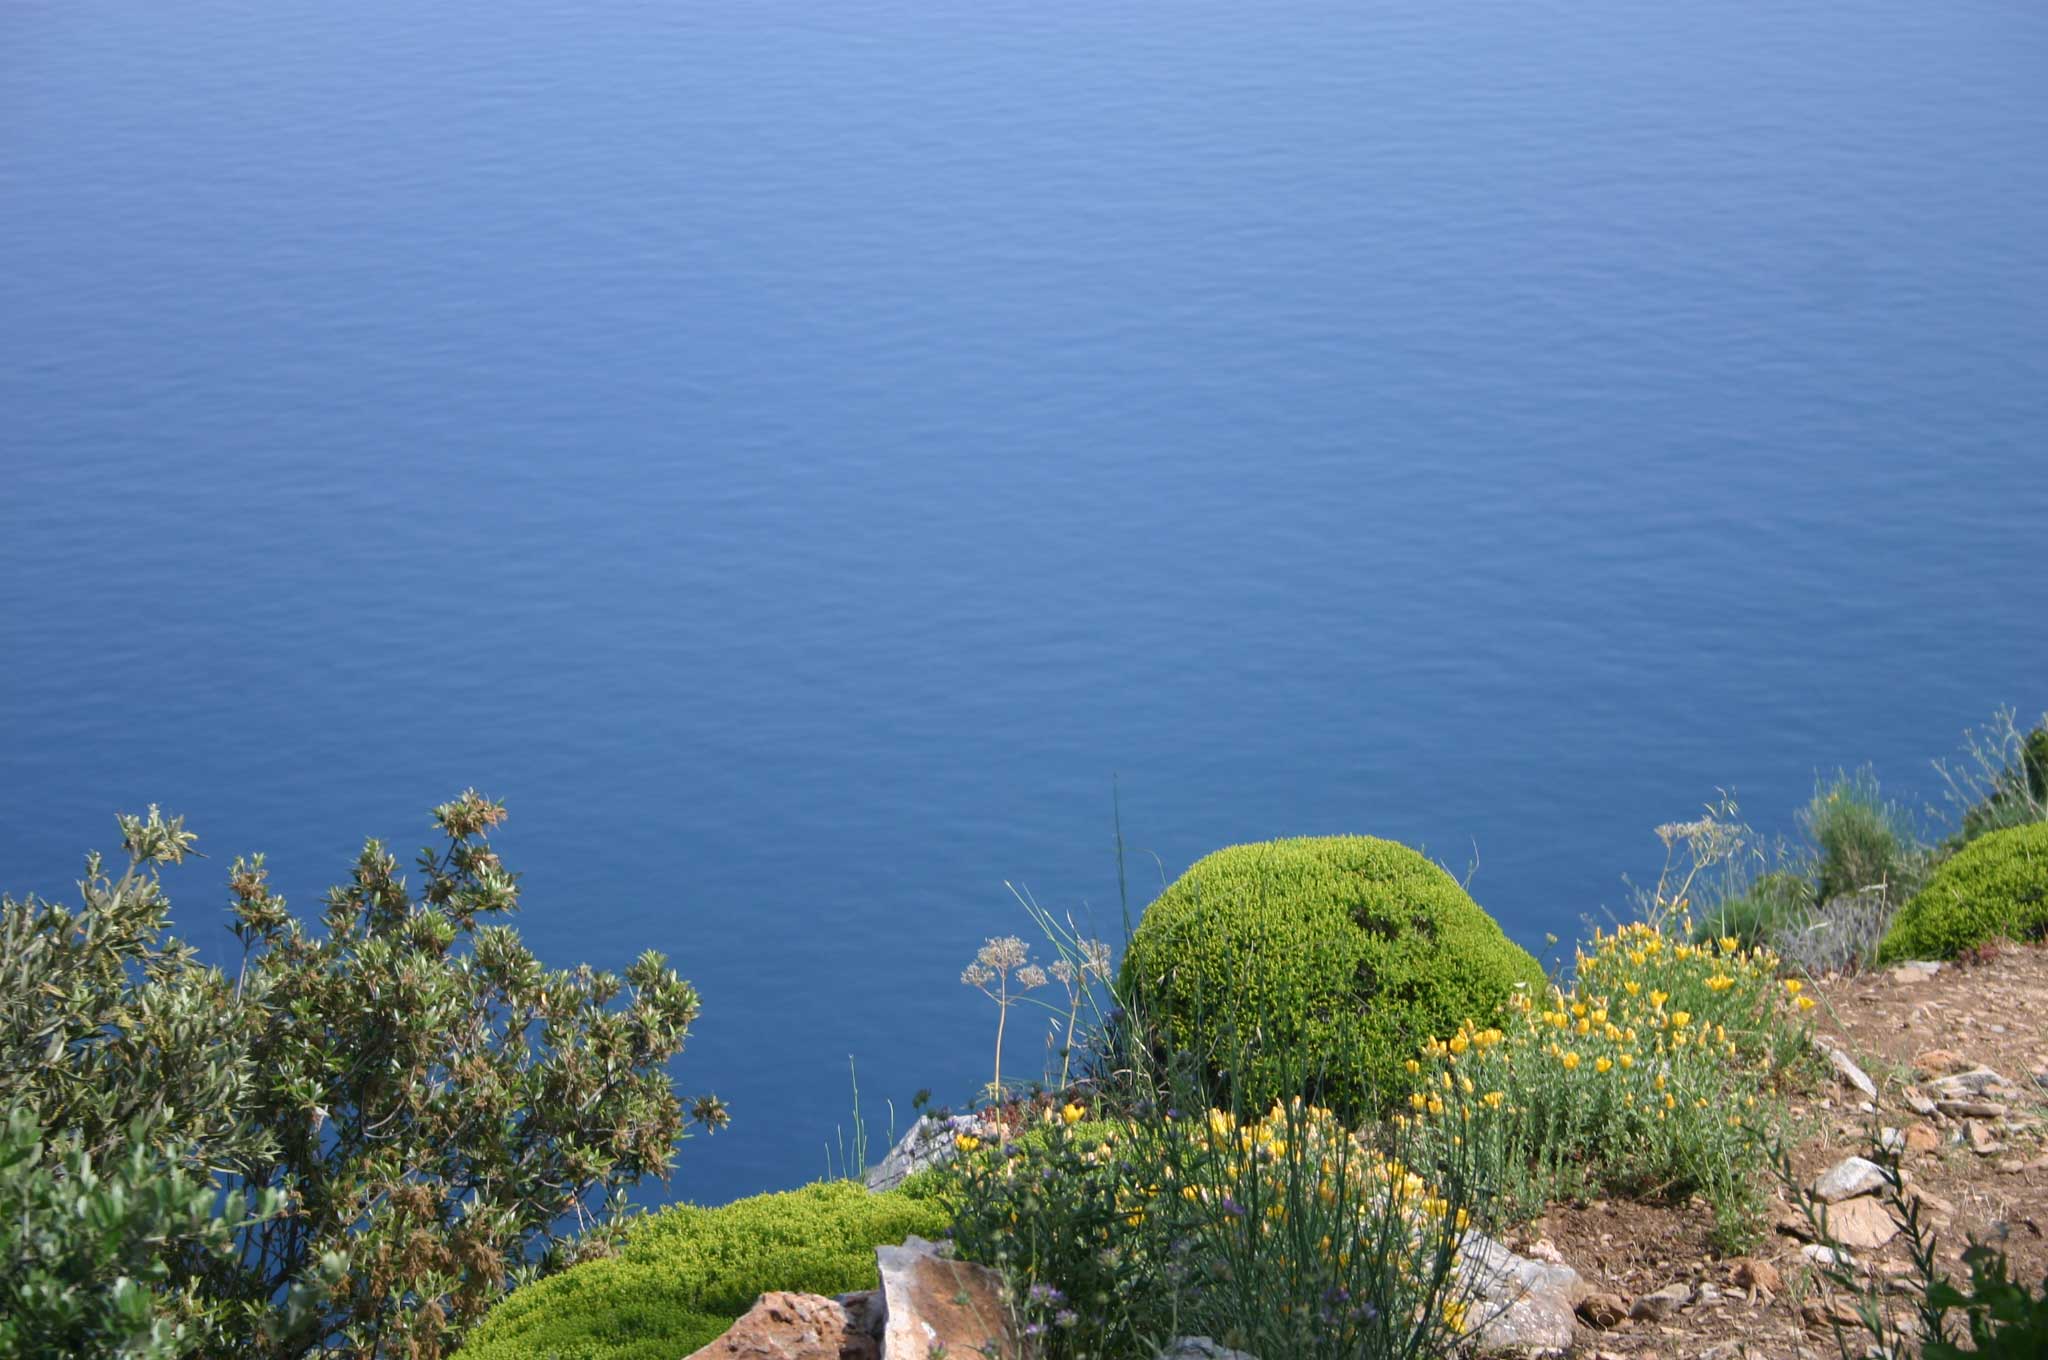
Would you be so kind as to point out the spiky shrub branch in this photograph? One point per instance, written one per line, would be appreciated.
(433, 1109)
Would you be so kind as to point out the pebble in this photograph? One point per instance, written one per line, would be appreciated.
(1754, 1274)
(1847, 1179)
(1662, 1304)
(1602, 1310)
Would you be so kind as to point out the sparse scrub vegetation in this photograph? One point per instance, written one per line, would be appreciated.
(1645, 1077)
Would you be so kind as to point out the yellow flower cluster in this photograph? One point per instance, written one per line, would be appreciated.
(1652, 1019)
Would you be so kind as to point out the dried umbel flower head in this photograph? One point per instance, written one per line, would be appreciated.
(1003, 953)
(1030, 975)
(1095, 958)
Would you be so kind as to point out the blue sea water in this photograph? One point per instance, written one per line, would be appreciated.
(805, 456)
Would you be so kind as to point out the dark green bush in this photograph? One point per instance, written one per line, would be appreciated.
(88, 1246)
(1334, 957)
(1778, 901)
(424, 1099)
(1996, 886)
(684, 1274)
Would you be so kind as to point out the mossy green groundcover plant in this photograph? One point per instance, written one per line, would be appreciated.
(1996, 886)
(684, 1274)
(1333, 956)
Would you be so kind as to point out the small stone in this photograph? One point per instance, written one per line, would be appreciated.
(1931, 1202)
(1826, 1256)
(1971, 1109)
(1980, 1138)
(1859, 1224)
(1922, 1138)
(1790, 1221)
(1846, 1068)
(1831, 1314)
(1201, 1348)
(1918, 1102)
(1755, 1275)
(1603, 1310)
(1659, 1307)
(1977, 1083)
(1847, 1179)
(1892, 1140)
(1938, 1062)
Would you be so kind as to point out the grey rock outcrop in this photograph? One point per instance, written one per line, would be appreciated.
(1516, 1306)
(929, 1143)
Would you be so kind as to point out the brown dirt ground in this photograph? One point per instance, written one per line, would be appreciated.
(1903, 1029)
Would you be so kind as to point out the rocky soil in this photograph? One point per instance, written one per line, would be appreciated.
(1956, 1059)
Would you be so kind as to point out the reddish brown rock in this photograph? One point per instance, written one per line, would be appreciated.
(1754, 1275)
(1602, 1310)
(1860, 1224)
(1939, 1062)
(937, 1305)
(784, 1326)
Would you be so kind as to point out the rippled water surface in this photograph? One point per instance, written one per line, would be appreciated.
(801, 454)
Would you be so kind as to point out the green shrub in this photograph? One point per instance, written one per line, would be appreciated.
(1860, 840)
(684, 1274)
(1778, 901)
(428, 1102)
(1996, 886)
(87, 1246)
(1335, 957)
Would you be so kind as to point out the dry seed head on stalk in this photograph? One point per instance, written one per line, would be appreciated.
(1029, 976)
(1003, 953)
(974, 975)
(1095, 957)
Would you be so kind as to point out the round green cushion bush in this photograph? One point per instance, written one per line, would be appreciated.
(1996, 886)
(1318, 965)
(686, 1273)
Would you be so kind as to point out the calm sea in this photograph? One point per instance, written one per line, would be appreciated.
(805, 456)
